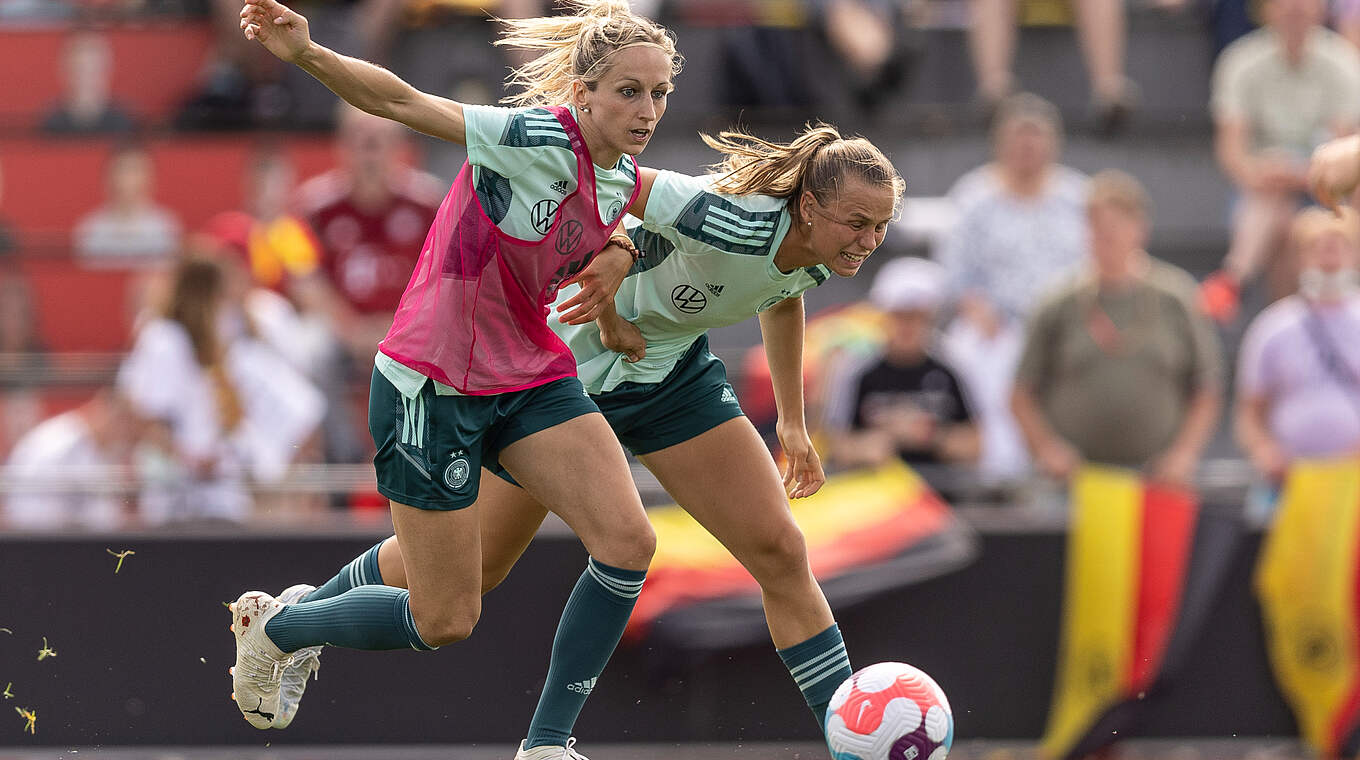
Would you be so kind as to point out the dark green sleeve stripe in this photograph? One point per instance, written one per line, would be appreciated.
(494, 193)
(817, 273)
(653, 247)
(715, 221)
(533, 129)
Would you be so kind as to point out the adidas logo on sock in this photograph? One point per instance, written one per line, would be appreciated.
(583, 687)
(714, 289)
(560, 186)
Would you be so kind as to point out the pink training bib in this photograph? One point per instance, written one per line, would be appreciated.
(474, 315)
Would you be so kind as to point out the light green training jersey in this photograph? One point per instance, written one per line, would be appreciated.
(523, 166)
(707, 261)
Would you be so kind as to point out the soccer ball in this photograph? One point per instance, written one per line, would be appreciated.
(889, 711)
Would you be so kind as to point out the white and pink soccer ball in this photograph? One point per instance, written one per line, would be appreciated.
(889, 711)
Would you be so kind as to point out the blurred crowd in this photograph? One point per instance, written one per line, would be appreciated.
(1035, 335)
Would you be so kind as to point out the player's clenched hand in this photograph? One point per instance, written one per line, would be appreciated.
(804, 475)
(282, 31)
(621, 336)
(599, 282)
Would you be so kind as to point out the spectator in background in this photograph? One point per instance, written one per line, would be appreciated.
(1100, 30)
(905, 402)
(86, 107)
(223, 406)
(1277, 93)
(9, 243)
(63, 473)
(1119, 367)
(277, 247)
(371, 214)
(18, 324)
(241, 89)
(1298, 384)
(129, 228)
(866, 35)
(1020, 228)
(231, 239)
(22, 357)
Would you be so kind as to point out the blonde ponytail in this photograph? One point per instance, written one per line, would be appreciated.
(818, 160)
(577, 46)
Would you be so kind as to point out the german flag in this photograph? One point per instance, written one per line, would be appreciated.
(1308, 581)
(853, 526)
(1142, 568)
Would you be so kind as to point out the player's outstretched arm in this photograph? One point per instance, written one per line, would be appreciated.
(781, 327)
(370, 88)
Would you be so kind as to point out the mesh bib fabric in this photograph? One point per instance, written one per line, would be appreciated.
(475, 313)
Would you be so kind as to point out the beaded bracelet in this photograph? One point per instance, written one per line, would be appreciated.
(626, 243)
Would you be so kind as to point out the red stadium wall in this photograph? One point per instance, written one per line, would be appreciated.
(154, 67)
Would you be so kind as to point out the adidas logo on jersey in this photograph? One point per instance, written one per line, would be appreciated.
(560, 186)
(583, 687)
(716, 290)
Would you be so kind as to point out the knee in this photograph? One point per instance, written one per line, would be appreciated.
(779, 558)
(447, 624)
(630, 548)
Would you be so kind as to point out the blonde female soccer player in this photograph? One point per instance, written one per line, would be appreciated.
(774, 221)
(470, 375)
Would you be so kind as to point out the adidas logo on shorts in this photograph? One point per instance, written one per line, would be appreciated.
(583, 687)
(728, 396)
(560, 186)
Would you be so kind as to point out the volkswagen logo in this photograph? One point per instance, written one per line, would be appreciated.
(542, 215)
(568, 237)
(688, 299)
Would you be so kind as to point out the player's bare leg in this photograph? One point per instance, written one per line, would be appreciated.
(578, 469)
(726, 479)
(510, 519)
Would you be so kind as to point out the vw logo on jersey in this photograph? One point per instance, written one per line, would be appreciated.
(542, 215)
(568, 237)
(457, 473)
(688, 299)
(615, 209)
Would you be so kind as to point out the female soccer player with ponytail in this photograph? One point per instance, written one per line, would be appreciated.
(772, 222)
(470, 375)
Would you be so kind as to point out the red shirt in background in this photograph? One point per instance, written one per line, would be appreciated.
(368, 255)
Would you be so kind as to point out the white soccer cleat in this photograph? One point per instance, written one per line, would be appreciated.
(259, 664)
(302, 664)
(550, 752)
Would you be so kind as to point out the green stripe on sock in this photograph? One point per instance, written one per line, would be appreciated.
(818, 666)
(591, 625)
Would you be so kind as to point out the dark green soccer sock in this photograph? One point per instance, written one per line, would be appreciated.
(368, 617)
(819, 666)
(361, 571)
(591, 626)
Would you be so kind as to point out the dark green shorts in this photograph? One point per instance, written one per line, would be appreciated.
(431, 448)
(693, 399)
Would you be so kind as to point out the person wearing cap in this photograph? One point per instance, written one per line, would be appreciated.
(1119, 366)
(905, 403)
(1298, 382)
